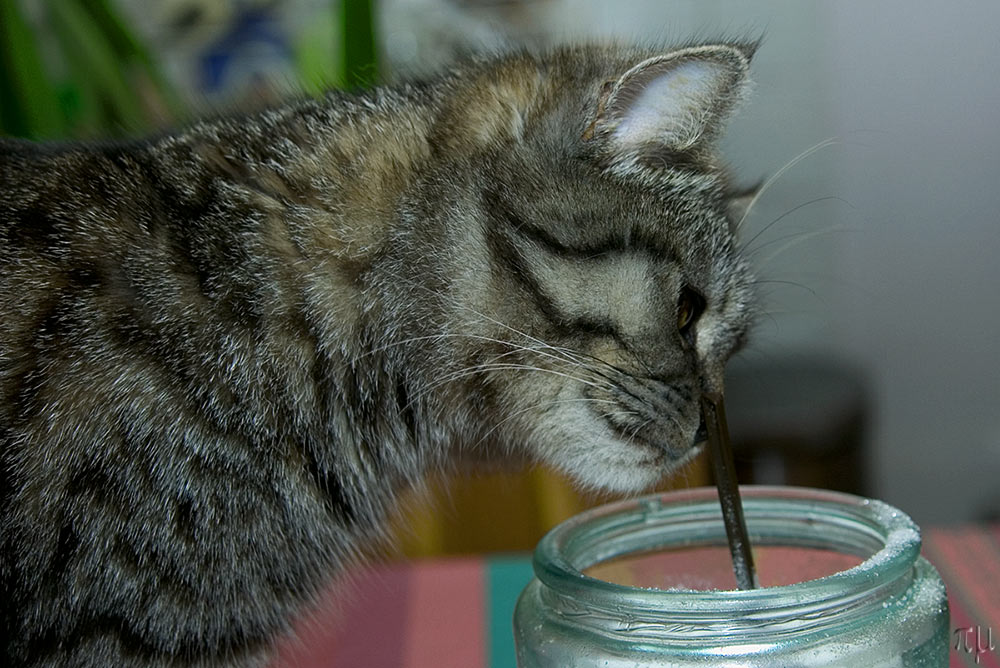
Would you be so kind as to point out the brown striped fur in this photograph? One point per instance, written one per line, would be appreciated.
(226, 350)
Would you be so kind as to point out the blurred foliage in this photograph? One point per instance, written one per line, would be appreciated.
(99, 78)
(360, 67)
(77, 69)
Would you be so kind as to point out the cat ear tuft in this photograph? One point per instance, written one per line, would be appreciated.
(674, 101)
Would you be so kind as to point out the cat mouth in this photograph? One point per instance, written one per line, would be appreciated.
(660, 451)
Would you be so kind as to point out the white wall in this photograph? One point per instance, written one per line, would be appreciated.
(917, 84)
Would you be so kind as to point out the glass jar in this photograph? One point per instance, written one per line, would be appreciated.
(890, 609)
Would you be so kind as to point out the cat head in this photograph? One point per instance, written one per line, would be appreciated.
(595, 281)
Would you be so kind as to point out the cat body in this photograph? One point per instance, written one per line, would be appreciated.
(227, 350)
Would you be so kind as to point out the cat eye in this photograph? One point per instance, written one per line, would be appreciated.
(690, 305)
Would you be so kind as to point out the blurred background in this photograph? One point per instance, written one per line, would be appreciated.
(875, 127)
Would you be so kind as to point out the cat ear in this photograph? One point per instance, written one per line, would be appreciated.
(674, 101)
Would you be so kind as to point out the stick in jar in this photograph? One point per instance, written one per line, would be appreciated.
(714, 412)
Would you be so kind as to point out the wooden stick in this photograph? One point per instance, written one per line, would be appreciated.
(714, 412)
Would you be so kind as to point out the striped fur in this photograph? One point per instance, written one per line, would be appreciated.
(227, 350)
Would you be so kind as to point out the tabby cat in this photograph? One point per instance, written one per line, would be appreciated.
(226, 350)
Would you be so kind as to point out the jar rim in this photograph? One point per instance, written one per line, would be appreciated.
(582, 541)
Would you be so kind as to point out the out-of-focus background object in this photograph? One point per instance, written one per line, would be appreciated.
(875, 367)
(75, 68)
(800, 421)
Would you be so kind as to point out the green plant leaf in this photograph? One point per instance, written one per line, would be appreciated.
(90, 53)
(128, 47)
(31, 106)
(360, 64)
(12, 121)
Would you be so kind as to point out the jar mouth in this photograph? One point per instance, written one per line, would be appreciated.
(885, 538)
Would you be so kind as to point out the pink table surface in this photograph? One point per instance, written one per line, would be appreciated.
(455, 613)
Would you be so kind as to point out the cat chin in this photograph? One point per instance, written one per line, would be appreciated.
(626, 478)
(616, 478)
(611, 465)
(596, 458)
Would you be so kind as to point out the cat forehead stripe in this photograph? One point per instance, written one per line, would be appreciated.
(631, 239)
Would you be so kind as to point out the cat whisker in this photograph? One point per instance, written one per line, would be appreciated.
(526, 336)
(407, 341)
(569, 355)
(746, 246)
(829, 141)
(545, 404)
(630, 439)
(489, 319)
(563, 354)
(618, 413)
(579, 359)
(621, 412)
(444, 335)
(794, 240)
(487, 366)
(522, 349)
(575, 356)
(528, 367)
(792, 283)
(566, 354)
